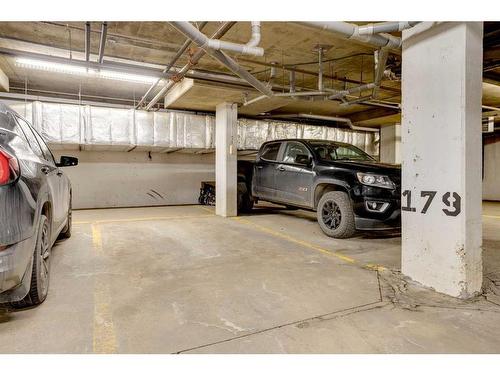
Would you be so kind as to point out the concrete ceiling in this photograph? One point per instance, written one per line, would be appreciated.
(153, 44)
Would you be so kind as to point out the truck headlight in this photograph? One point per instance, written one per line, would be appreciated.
(376, 180)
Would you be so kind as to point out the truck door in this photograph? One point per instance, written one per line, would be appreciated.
(294, 176)
(264, 177)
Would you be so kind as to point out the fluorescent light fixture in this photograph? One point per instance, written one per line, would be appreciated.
(83, 71)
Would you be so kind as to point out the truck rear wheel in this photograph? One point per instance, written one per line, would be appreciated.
(335, 215)
(245, 201)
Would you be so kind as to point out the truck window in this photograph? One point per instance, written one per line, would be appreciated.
(293, 149)
(270, 151)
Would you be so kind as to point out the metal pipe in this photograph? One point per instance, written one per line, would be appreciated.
(380, 58)
(135, 68)
(356, 101)
(303, 93)
(287, 95)
(102, 43)
(292, 81)
(254, 100)
(491, 108)
(190, 31)
(385, 27)
(352, 90)
(338, 119)
(326, 118)
(315, 74)
(250, 48)
(351, 31)
(179, 53)
(87, 41)
(221, 31)
(320, 69)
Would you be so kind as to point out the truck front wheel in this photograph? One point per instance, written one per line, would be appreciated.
(335, 215)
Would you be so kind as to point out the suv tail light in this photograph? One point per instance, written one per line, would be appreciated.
(9, 168)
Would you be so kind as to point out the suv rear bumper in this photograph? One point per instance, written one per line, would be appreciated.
(15, 270)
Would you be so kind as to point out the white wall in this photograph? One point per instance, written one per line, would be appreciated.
(491, 182)
(127, 179)
(390, 144)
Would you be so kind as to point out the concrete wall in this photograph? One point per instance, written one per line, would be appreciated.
(126, 179)
(390, 144)
(491, 181)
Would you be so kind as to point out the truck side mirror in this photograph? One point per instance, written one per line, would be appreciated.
(303, 159)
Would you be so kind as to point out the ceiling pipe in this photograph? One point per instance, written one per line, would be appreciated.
(385, 27)
(294, 94)
(380, 57)
(87, 41)
(102, 43)
(179, 53)
(352, 90)
(138, 68)
(292, 81)
(327, 118)
(221, 31)
(191, 32)
(351, 31)
(250, 48)
(205, 42)
(315, 74)
(491, 108)
(356, 101)
(320, 68)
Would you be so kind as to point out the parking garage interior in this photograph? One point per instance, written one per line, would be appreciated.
(154, 111)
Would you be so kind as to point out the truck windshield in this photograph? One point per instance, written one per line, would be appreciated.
(329, 151)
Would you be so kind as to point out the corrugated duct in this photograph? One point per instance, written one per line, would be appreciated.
(73, 127)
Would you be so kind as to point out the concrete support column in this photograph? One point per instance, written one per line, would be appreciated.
(441, 163)
(390, 144)
(226, 141)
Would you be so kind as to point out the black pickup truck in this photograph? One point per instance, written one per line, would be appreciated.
(347, 188)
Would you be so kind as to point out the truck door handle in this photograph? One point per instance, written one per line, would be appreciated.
(59, 173)
(281, 168)
(45, 169)
(260, 167)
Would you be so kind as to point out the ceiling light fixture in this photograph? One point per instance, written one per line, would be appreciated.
(83, 71)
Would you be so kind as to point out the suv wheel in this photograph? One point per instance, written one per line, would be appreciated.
(335, 215)
(40, 273)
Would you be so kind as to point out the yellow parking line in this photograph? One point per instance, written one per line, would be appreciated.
(96, 238)
(295, 240)
(152, 218)
(104, 338)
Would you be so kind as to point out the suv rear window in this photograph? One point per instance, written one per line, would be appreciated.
(270, 151)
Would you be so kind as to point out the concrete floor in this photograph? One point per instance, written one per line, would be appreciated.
(179, 279)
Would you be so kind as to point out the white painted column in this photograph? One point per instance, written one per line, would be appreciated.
(441, 163)
(226, 142)
(390, 144)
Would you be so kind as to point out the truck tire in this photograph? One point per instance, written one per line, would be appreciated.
(40, 271)
(335, 215)
(245, 201)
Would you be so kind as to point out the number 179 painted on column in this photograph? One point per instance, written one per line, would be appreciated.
(451, 200)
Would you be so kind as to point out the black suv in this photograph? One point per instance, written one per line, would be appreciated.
(35, 209)
(347, 188)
